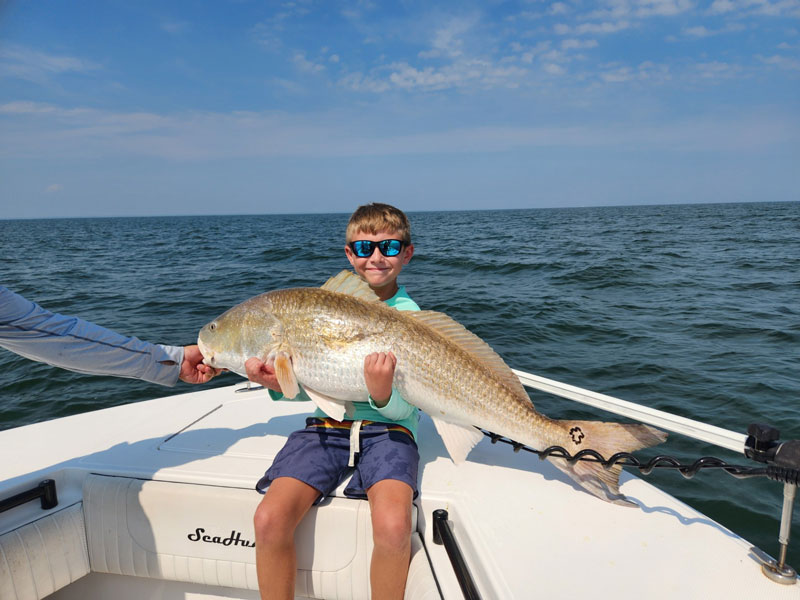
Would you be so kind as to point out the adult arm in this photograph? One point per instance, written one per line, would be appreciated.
(72, 343)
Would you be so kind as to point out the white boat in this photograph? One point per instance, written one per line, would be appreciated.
(155, 501)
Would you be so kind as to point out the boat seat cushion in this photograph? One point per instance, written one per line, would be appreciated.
(204, 534)
(43, 556)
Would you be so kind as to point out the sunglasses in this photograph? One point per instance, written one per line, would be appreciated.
(365, 248)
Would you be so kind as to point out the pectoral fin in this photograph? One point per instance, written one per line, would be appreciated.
(330, 406)
(458, 439)
(285, 374)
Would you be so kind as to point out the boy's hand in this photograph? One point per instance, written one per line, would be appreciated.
(378, 374)
(192, 368)
(261, 373)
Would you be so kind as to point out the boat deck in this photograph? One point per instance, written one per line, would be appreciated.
(525, 530)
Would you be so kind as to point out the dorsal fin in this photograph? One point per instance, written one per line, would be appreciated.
(349, 283)
(469, 342)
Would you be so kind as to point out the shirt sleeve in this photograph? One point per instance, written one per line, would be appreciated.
(396, 408)
(71, 343)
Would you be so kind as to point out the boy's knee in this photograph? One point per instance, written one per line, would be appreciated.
(392, 530)
(270, 524)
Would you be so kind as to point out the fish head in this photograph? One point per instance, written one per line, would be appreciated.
(245, 331)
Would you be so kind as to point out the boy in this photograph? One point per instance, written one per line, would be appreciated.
(315, 459)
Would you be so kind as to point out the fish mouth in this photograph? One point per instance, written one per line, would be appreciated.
(208, 354)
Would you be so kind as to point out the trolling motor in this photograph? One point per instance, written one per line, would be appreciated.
(783, 460)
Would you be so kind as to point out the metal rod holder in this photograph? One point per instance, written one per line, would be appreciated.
(777, 570)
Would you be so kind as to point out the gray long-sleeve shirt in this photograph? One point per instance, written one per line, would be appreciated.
(72, 343)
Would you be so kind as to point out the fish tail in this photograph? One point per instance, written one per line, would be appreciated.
(607, 439)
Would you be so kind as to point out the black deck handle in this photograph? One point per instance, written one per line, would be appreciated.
(46, 490)
(443, 534)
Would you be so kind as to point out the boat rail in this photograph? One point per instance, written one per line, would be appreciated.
(724, 438)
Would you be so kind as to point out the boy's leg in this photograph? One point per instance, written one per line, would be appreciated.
(285, 503)
(390, 504)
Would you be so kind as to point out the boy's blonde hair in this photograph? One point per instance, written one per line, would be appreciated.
(375, 218)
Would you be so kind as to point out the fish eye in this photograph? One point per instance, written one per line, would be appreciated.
(212, 326)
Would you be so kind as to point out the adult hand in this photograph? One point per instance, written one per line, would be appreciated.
(262, 373)
(378, 375)
(193, 370)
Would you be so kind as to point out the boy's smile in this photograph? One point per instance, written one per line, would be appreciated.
(380, 271)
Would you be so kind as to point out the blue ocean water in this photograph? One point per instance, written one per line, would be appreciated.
(691, 309)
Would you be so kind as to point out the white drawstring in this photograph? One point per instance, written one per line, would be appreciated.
(355, 444)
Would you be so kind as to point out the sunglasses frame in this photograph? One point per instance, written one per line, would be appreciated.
(381, 245)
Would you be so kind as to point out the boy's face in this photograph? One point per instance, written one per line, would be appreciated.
(379, 271)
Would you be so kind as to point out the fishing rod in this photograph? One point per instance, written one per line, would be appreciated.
(762, 444)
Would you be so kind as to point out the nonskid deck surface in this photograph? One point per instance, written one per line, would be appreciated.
(520, 523)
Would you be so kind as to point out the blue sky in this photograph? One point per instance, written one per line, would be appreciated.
(158, 108)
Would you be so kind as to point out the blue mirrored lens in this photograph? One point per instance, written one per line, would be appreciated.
(363, 248)
(390, 247)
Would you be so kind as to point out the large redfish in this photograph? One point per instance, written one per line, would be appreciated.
(318, 338)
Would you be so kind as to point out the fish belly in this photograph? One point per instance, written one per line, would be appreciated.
(339, 376)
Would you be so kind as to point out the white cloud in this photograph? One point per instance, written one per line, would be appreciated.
(701, 31)
(646, 71)
(554, 69)
(53, 188)
(553, 56)
(27, 108)
(782, 62)
(305, 65)
(447, 40)
(717, 70)
(720, 7)
(526, 54)
(358, 82)
(605, 27)
(628, 9)
(742, 8)
(267, 34)
(573, 44)
(473, 73)
(32, 65)
(617, 75)
(664, 8)
(406, 76)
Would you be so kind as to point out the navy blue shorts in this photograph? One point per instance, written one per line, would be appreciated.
(318, 455)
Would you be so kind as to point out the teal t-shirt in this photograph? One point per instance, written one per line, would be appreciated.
(397, 410)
